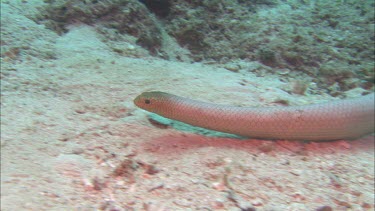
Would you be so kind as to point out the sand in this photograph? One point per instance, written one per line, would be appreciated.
(72, 139)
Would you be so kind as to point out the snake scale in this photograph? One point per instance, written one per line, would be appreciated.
(341, 119)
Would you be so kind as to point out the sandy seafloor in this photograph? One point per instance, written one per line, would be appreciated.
(71, 139)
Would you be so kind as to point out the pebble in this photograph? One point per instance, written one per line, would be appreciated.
(283, 71)
(218, 204)
(183, 202)
(284, 162)
(361, 180)
(218, 186)
(296, 172)
(232, 67)
(324, 208)
(77, 151)
(256, 202)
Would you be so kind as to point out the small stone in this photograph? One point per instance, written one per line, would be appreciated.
(257, 202)
(296, 172)
(324, 208)
(130, 47)
(77, 151)
(284, 162)
(218, 204)
(151, 169)
(218, 186)
(183, 202)
(283, 71)
(232, 67)
(298, 196)
(361, 180)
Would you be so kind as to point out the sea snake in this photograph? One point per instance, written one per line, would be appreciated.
(342, 119)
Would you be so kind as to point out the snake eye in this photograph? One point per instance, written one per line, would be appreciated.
(147, 101)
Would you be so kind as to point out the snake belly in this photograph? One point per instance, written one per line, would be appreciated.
(342, 119)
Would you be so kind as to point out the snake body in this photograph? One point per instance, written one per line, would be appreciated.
(342, 119)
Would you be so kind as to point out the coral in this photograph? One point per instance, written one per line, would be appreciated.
(298, 35)
(126, 16)
(267, 57)
(160, 8)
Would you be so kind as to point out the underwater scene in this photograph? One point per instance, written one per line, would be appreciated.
(208, 105)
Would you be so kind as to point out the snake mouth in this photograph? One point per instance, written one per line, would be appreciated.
(140, 100)
(136, 100)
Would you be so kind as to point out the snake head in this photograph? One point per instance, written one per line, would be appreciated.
(151, 101)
